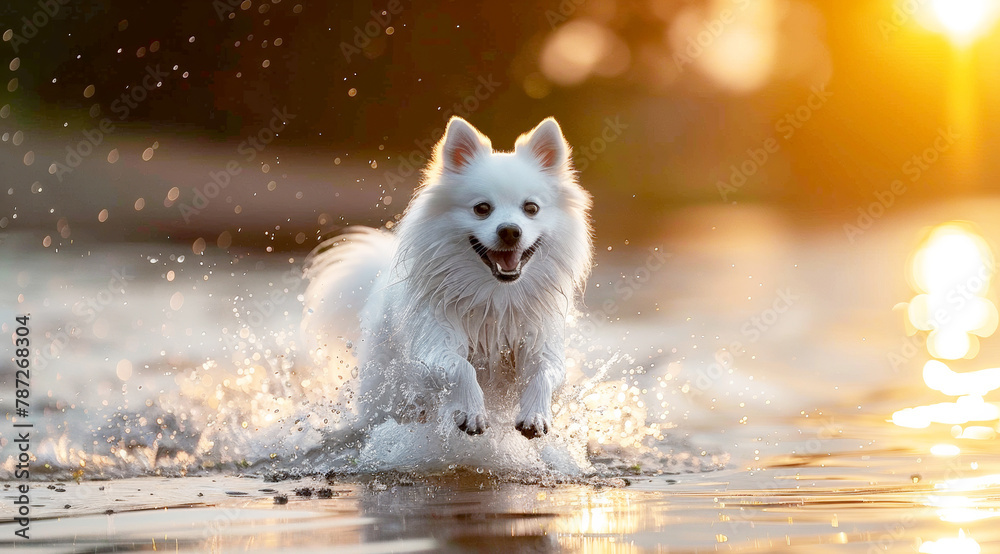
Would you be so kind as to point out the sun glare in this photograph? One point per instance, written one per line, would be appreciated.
(964, 20)
(953, 269)
(952, 545)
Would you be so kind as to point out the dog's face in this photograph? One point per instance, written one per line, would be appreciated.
(507, 206)
(510, 209)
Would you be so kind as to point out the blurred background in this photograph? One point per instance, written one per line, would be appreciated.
(166, 166)
(812, 108)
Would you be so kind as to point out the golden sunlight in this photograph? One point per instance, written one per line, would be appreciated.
(960, 412)
(735, 48)
(581, 48)
(940, 377)
(965, 514)
(952, 545)
(964, 20)
(970, 483)
(945, 450)
(953, 268)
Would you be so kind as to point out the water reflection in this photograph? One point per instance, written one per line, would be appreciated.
(966, 409)
(952, 545)
(952, 271)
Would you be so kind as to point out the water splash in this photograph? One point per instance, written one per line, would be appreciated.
(245, 396)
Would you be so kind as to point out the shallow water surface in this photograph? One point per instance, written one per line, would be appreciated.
(802, 509)
(754, 389)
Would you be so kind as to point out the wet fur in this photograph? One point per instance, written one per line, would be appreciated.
(437, 328)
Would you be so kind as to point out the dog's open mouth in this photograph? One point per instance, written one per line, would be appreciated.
(505, 264)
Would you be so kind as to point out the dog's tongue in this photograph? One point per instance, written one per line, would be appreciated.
(507, 259)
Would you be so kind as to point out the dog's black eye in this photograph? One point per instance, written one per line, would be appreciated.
(530, 208)
(482, 209)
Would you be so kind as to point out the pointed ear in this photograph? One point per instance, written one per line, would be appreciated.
(461, 144)
(546, 144)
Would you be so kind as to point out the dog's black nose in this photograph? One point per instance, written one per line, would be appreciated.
(509, 234)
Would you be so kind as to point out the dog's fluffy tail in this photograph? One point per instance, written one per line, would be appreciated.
(341, 272)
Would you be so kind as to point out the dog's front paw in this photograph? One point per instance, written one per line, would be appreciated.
(533, 425)
(471, 422)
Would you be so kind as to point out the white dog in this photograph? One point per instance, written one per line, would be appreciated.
(472, 291)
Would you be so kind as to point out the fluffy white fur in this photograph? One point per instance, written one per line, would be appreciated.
(438, 325)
